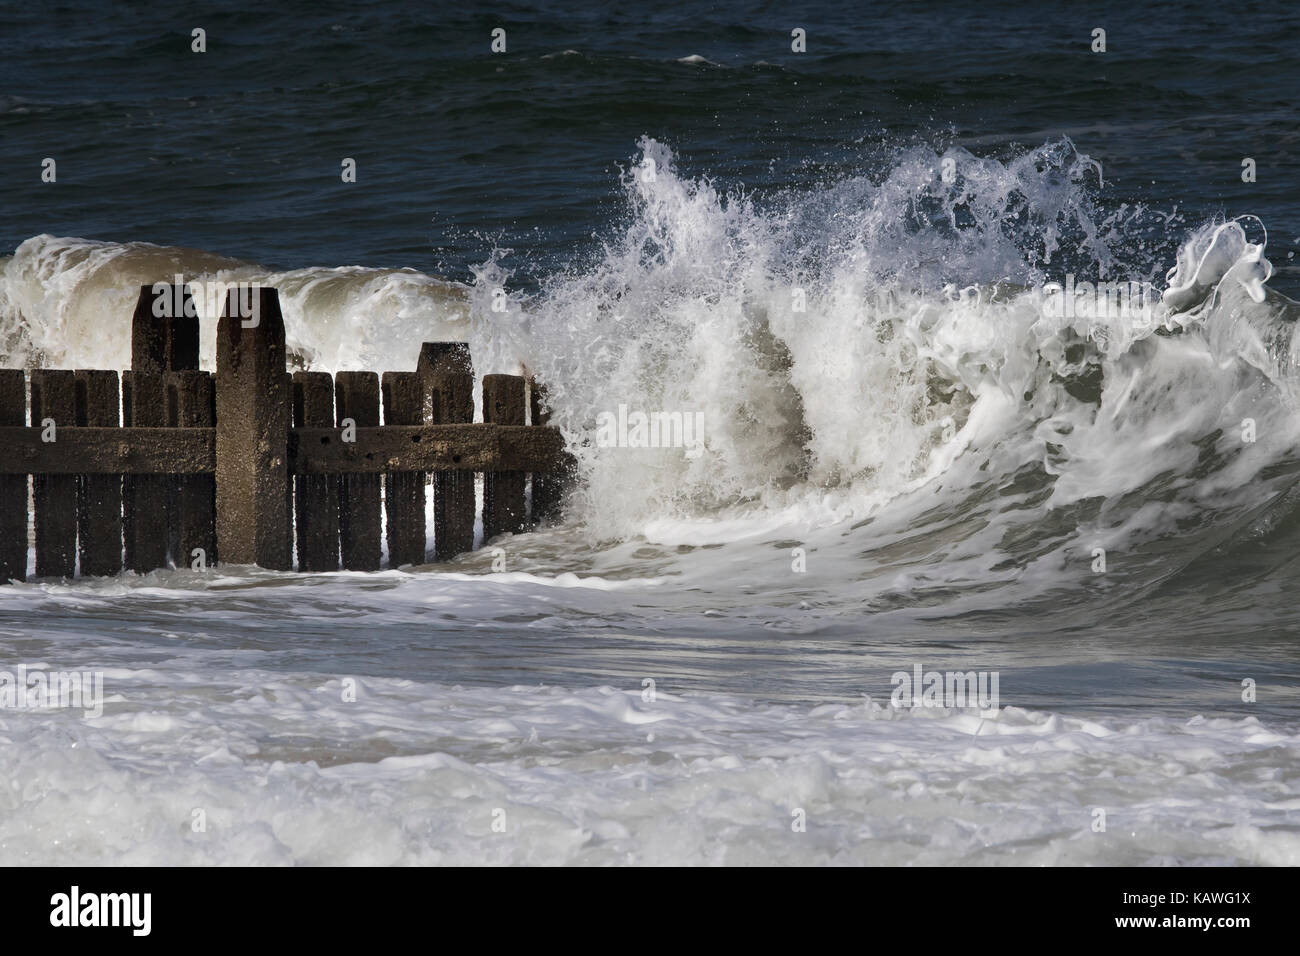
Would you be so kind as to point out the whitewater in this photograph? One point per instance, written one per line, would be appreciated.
(914, 453)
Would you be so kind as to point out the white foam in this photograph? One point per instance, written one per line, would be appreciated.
(67, 302)
(923, 431)
(284, 771)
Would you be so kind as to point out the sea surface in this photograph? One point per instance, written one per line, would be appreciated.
(915, 454)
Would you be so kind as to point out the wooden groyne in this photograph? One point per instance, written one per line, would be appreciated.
(169, 465)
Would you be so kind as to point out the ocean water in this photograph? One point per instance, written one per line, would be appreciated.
(915, 454)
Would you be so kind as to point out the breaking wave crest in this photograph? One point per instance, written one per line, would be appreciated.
(965, 370)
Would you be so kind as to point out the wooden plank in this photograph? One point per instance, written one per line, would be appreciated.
(253, 410)
(398, 448)
(54, 400)
(403, 394)
(99, 501)
(548, 487)
(316, 496)
(503, 491)
(145, 497)
(449, 375)
(357, 398)
(13, 487)
(128, 495)
(164, 339)
(171, 419)
(312, 451)
(108, 451)
(194, 396)
(455, 505)
(164, 330)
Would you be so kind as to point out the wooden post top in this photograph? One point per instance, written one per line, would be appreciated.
(444, 358)
(164, 330)
(251, 322)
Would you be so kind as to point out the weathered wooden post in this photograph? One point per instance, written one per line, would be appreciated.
(316, 496)
(13, 488)
(99, 498)
(548, 486)
(164, 338)
(448, 371)
(357, 398)
(144, 497)
(192, 398)
(252, 432)
(54, 406)
(503, 491)
(164, 330)
(404, 491)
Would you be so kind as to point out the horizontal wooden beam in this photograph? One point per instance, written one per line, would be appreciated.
(108, 451)
(397, 448)
(312, 451)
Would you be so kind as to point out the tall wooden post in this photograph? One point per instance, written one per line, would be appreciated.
(503, 491)
(404, 492)
(548, 486)
(164, 339)
(448, 371)
(195, 407)
(252, 433)
(316, 496)
(54, 405)
(356, 397)
(13, 488)
(99, 503)
(145, 497)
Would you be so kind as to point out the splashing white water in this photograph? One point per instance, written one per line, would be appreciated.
(67, 302)
(935, 439)
(879, 348)
(880, 339)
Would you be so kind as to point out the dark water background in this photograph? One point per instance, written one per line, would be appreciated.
(238, 150)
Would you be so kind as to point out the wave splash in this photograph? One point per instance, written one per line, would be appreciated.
(887, 346)
(882, 354)
(67, 302)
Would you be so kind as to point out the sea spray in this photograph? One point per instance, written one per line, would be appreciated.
(853, 345)
(878, 351)
(67, 302)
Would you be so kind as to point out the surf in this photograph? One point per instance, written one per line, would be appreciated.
(886, 369)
